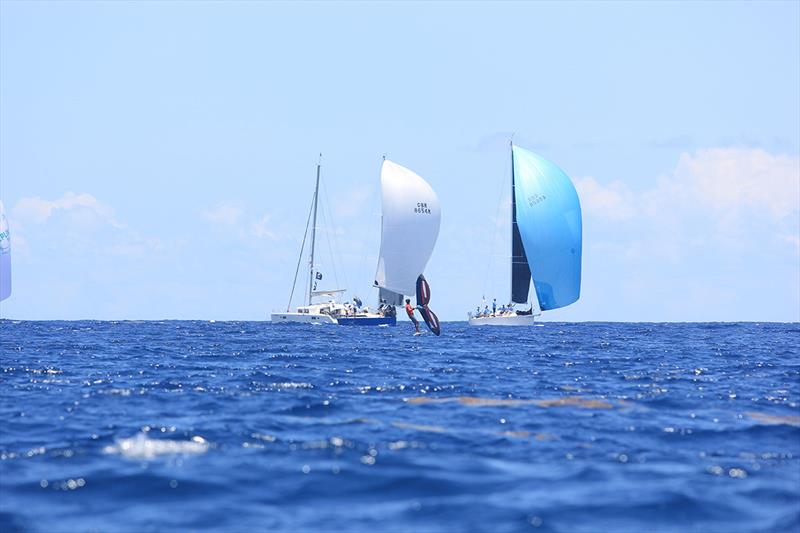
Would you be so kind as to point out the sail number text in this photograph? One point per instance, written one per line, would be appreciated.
(422, 207)
(536, 199)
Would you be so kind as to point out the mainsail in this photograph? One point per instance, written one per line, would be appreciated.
(409, 228)
(5, 256)
(390, 297)
(547, 215)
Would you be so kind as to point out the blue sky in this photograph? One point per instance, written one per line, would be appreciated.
(157, 159)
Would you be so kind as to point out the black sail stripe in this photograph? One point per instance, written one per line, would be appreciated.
(520, 270)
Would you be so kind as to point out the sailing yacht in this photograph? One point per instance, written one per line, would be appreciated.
(410, 221)
(322, 306)
(546, 241)
(409, 229)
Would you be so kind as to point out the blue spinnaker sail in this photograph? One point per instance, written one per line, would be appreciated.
(549, 220)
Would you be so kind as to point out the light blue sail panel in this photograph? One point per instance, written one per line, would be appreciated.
(549, 220)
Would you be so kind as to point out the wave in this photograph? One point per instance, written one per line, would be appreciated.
(143, 447)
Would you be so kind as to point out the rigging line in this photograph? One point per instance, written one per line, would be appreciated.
(496, 223)
(371, 232)
(336, 246)
(299, 259)
(330, 248)
(326, 230)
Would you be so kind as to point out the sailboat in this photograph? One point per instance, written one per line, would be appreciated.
(5, 256)
(546, 241)
(409, 228)
(410, 221)
(322, 306)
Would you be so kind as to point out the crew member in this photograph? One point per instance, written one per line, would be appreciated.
(410, 312)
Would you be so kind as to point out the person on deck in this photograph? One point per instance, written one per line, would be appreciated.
(410, 312)
(494, 306)
(486, 310)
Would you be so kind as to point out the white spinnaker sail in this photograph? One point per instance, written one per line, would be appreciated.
(5, 256)
(410, 226)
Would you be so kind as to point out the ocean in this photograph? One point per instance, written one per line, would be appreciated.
(244, 426)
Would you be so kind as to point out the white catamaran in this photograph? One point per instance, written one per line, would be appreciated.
(546, 242)
(322, 306)
(409, 228)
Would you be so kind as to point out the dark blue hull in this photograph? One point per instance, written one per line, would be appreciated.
(367, 321)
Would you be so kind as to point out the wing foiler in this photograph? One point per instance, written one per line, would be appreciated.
(423, 297)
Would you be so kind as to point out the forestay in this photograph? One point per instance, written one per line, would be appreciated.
(410, 226)
(548, 215)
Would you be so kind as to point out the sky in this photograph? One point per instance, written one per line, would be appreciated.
(157, 159)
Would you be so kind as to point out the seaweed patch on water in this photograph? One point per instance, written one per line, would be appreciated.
(517, 434)
(790, 420)
(472, 401)
(520, 434)
(576, 401)
(419, 427)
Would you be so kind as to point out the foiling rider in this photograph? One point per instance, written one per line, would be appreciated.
(410, 312)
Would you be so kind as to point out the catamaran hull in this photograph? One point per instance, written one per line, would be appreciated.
(308, 318)
(301, 318)
(367, 321)
(514, 320)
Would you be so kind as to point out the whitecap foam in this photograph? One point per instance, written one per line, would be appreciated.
(142, 447)
(292, 385)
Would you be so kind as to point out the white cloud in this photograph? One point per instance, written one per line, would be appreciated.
(615, 201)
(236, 222)
(225, 215)
(354, 203)
(39, 211)
(717, 199)
(261, 228)
(735, 179)
(794, 240)
(727, 181)
(76, 221)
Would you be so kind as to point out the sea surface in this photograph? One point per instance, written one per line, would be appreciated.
(244, 426)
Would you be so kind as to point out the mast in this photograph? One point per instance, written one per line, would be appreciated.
(313, 234)
(513, 217)
(520, 269)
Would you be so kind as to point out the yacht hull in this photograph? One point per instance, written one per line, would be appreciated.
(314, 318)
(367, 321)
(513, 320)
(302, 318)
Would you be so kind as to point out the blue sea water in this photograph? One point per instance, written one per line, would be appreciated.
(239, 426)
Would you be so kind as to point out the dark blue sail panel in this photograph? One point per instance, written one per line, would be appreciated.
(549, 220)
(423, 298)
(423, 291)
(520, 270)
(431, 320)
